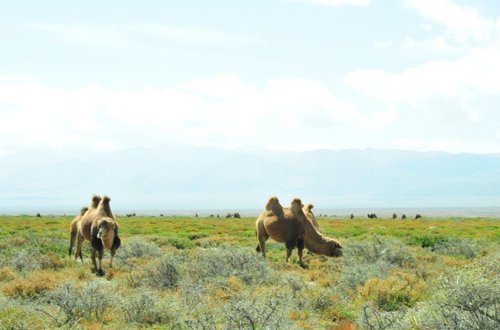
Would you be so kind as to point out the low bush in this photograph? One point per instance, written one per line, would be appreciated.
(164, 275)
(396, 292)
(225, 262)
(138, 248)
(74, 303)
(259, 311)
(377, 248)
(145, 308)
(35, 284)
(462, 247)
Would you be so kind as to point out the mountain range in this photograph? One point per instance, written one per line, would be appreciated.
(206, 178)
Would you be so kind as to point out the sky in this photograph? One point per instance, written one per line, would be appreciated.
(282, 74)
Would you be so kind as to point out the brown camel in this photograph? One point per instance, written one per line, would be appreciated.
(94, 202)
(73, 228)
(292, 227)
(98, 225)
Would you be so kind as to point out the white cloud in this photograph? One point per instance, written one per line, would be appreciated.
(336, 3)
(472, 76)
(462, 23)
(223, 111)
(435, 45)
(138, 35)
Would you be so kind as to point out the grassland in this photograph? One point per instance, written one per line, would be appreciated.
(203, 273)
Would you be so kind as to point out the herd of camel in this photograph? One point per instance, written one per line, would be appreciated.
(296, 226)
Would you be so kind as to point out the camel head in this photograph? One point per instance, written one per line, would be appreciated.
(105, 226)
(334, 248)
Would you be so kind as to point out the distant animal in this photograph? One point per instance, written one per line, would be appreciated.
(38, 215)
(418, 216)
(98, 225)
(394, 216)
(351, 216)
(291, 226)
(403, 216)
(372, 216)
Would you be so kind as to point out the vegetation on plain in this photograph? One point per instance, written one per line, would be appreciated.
(204, 273)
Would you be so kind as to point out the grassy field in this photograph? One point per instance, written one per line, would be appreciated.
(204, 273)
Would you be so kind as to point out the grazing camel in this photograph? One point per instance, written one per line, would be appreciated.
(99, 226)
(292, 227)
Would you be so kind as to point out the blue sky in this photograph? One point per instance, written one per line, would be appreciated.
(283, 74)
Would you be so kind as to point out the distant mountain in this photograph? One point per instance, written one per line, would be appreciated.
(187, 177)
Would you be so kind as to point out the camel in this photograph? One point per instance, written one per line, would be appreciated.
(292, 227)
(98, 225)
(94, 202)
(73, 228)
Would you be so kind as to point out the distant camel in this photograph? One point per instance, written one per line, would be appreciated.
(291, 226)
(372, 216)
(403, 216)
(99, 226)
(394, 216)
(351, 216)
(418, 216)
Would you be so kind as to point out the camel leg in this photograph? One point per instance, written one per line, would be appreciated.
(290, 245)
(100, 272)
(71, 242)
(79, 243)
(92, 255)
(262, 237)
(300, 250)
(113, 251)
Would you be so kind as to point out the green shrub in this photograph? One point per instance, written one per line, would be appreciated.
(462, 247)
(164, 275)
(145, 308)
(76, 303)
(225, 262)
(138, 248)
(377, 248)
(259, 311)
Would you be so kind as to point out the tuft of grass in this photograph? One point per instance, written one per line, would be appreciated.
(35, 284)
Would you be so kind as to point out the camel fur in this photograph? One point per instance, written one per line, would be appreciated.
(310, 215)
(73, 228)
(98, 225)
(292, 227)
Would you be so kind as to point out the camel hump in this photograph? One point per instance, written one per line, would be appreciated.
(104, 206)
(309, 207)
(96, 199)
(273, 205)
(83, 210)
(296, 206)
